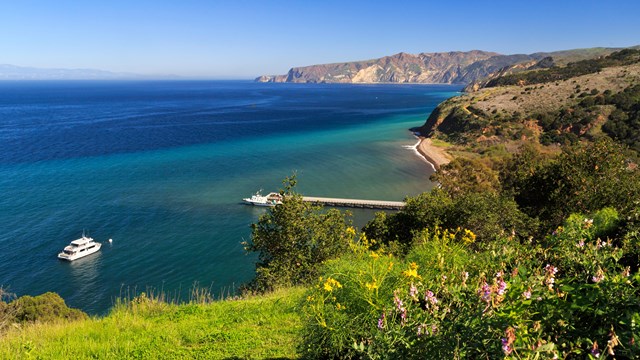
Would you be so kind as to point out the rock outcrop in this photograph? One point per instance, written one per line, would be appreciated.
(455, 67)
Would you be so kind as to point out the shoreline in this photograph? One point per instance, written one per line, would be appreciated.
(432, 154)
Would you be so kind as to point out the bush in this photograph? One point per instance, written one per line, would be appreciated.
(293, 239)
(42, 308)
(570, 297)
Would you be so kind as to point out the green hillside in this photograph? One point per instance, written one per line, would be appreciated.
(253, 328)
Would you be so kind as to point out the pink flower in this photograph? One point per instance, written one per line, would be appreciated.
(381, 321)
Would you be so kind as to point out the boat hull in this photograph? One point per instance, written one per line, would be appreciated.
(80, 254)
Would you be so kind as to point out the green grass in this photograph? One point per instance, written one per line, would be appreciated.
(261, 327)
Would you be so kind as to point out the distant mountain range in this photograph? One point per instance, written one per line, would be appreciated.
(12, 72)
(456, 67)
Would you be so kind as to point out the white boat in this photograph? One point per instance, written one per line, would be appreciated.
(272, 199)
(79, 248)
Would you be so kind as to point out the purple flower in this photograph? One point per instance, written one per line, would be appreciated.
(506, 347)
(430, 297)
(580, 243)
(397, 301)
(502, 287)
(527, 294)
(413, 291)
(381, 321)
(485, 292)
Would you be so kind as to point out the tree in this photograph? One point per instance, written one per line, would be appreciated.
(466, 175)
(583, 179)
(294, 238)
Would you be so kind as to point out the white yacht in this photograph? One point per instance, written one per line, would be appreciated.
(79, 248)
(272, 199)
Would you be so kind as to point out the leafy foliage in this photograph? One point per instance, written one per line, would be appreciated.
(293, 239)
(568, 297)
(624, 122)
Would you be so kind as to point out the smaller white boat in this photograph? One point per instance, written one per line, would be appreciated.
(79, 248)
(272, 199)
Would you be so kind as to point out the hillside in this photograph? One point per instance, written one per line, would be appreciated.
(554, 105)
(454, 67)
(257, 327)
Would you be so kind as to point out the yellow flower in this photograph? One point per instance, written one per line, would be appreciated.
(412, 272)
(372, 286)
(390, 266)
(374, 255)
(469, 237)
(339, 307)
(351, 231)
(331, 284)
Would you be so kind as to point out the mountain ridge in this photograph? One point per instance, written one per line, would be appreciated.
(15, 72)
(453, 67)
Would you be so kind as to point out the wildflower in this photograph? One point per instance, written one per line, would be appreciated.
(469, 237)
(580, 243)
(331, 284)
(627, 271)
(612, 342)
(413, 291)
(339, 306)
(550, 273)
(412, 272)
(599, 276)
(444, 278)
(506, 347)
(594, 349)
(434, 328)
(351, 231)
(422, 329)
(588, 223)
(390, 266)
(507, 341)
(372, 286)
(502, 287)
(381, 321)
(430, 298)
(485, 292)
(397, 301)
(527, 294)
(374, 255)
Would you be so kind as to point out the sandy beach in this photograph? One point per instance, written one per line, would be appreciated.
(435, 155)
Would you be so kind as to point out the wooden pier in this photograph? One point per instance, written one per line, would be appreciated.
(355, 203)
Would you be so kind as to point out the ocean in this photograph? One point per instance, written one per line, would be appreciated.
(161, 167)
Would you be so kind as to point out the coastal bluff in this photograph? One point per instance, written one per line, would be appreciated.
(454, 67)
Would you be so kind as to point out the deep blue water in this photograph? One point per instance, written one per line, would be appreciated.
(161, 168)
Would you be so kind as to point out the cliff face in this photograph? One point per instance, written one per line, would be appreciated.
(446, 68)
(455, 67)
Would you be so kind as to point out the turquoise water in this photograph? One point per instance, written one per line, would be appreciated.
(161, 168)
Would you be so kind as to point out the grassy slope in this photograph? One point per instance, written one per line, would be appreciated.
(258, 327)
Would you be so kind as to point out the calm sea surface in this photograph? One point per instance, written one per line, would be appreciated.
(161, 168)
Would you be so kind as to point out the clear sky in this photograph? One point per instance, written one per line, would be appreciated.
(245, 38)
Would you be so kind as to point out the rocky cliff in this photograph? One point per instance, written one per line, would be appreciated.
(455, 67)
(448, 68)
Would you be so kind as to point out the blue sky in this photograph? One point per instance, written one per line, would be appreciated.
(243, 39)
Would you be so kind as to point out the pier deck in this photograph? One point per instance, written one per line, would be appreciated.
(356, 203)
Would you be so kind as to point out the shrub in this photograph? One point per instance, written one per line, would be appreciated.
(570, 297)
(43, 308)
(293, 239)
